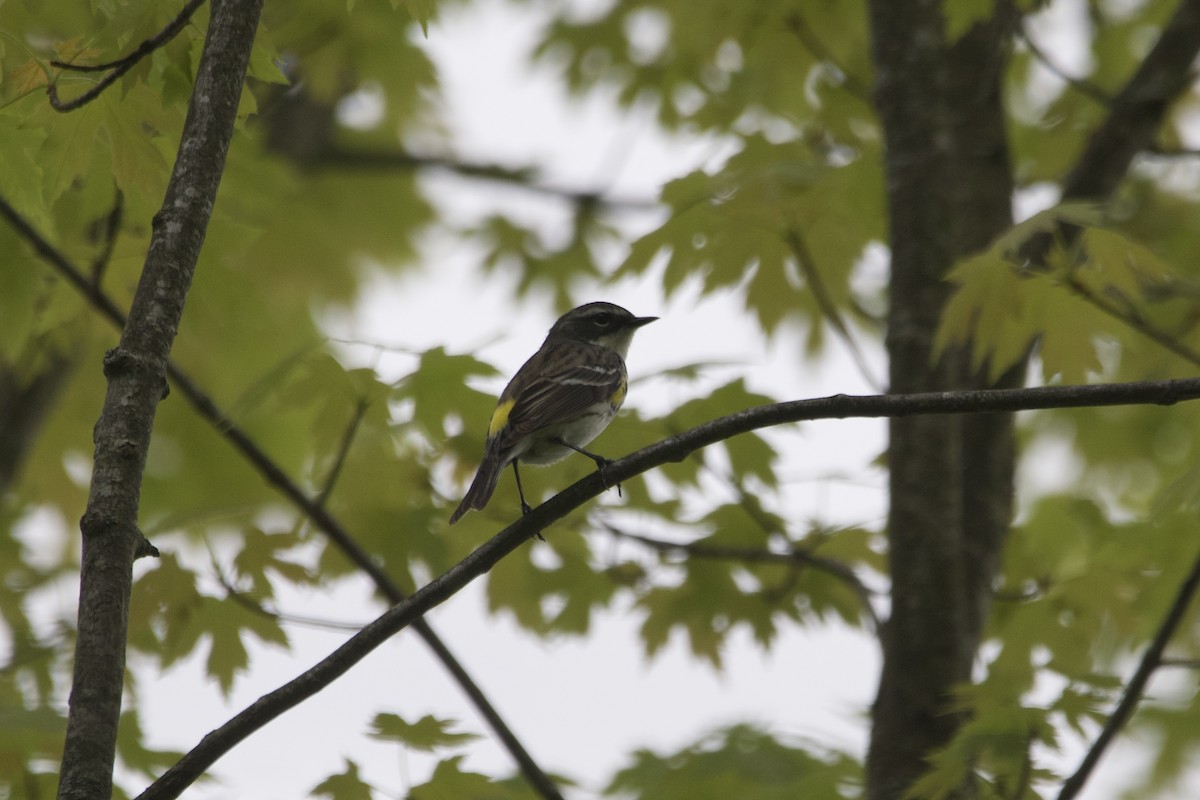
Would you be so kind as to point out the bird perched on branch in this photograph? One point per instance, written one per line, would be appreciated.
(560, 400)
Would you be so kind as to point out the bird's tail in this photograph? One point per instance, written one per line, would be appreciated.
(483, 485)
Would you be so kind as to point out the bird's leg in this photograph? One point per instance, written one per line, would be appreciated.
(601, 464)
(525, 507)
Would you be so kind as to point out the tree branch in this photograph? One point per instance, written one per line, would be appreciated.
(1139, 109)
(675, 448)
(119, 67)
(808, 268)
(1128, 315)
(311, 508)
(524, 178)
(1085, 87)
(135, 372)
(808, 38)
(1152, 659)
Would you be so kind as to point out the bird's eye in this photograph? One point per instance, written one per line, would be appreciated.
(603, 319)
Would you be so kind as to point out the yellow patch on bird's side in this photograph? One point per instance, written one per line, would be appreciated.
(500, 417)
(619, 395)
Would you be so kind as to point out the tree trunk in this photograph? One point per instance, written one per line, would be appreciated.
(949, 193)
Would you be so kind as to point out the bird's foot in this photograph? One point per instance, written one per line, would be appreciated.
(602, 465)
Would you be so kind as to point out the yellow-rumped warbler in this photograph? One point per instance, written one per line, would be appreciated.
(560, 400)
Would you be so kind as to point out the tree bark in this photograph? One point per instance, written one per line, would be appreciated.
(949, 193)
(136, 382)
(949, 189)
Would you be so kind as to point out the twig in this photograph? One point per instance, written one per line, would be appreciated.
(1132, 694)
(1084, 86)
(119, 67)
(339, 459)
(1185, 663)
(799, 28)
(1157, 151)
(808, 267)
(108, 232)
(524, 178)
(250, 604)
(1133, 320)
(675, 448)
(275, 476)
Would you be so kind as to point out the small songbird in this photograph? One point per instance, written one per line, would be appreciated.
(560, 400)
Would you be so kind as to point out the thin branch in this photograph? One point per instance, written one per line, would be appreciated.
(1128, 315)
(524, 178)
(1139, 109)
(799, 27)
(274, 475)
(1157, 151)
(119, 67)
(675, 448)
(1184, 663)
(1132, 695)
(1084, 86)
(250, 604)
(343, 451)
(808, 267)
(796, 556)
(108, 231)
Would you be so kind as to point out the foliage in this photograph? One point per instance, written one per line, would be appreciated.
(783, 220)
(740, 760)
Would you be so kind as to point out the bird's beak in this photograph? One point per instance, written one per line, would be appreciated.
(638, 322)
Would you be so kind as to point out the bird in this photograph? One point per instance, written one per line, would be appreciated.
(559, 400)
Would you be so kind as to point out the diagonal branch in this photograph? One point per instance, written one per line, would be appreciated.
(1152, 659)
(808, 268)
(1139, 109)
(313, 509)
(116, 69)
(343, 452)
(676, 448)
(1128, 315)
(1084, 86)
(812, 42)
(1135, 115)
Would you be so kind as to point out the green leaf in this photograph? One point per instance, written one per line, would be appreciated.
(134, 753)
(739, 761)
(449, 780)
(962, 15)
(261, 553)
(437, 383)
(422, 11)
(346, 785)
(426, 734)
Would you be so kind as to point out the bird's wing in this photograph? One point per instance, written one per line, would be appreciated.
(540, 395)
